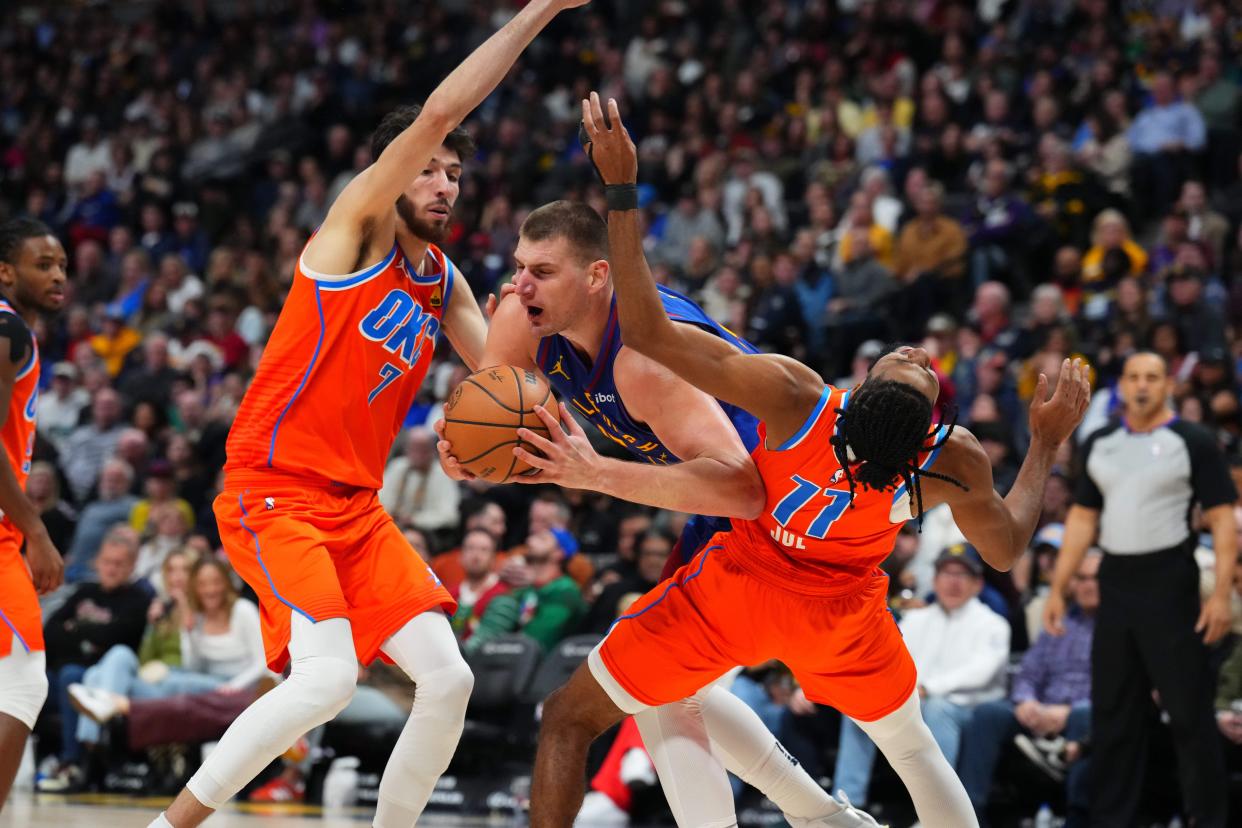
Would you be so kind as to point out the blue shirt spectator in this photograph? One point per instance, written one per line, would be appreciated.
(1167, 123)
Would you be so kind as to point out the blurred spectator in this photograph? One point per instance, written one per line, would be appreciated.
(416, 490)
(43, 489)
(152, 381)
(652, 549)
(94, 618)
(60, 407)
(1162, 135)
(547, 610)
(481, 514)
(960, 648)
(88, 446)
(1050, 700)
(113, 507)
(1205, 225)
(1201, 323)
(1110, 231)
(481, 582)
(996, 226)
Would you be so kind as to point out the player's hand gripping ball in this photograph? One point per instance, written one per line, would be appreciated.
(483, 414)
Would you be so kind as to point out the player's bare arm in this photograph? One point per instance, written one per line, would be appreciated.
(464, 324)
(777, 389)
(1001, 528)
(359, 227)
(716, 475)
(47, 568)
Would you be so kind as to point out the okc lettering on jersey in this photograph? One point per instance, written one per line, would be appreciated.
(401, 324)
(586, 404)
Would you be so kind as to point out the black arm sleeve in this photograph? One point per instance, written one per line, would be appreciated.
(15, 331)
(1209, 473)
(1086, 493)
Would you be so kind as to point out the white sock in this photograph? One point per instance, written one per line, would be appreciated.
(938, 795)
(427, 651)
(161, 821)
(323, 674)
(752, 752)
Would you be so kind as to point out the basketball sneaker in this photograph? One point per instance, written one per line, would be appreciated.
(1046, 754)
(847, 817)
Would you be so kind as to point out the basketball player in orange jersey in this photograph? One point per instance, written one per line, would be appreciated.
(801, 583)
(32, 282)
(693, 456)
(299, 515)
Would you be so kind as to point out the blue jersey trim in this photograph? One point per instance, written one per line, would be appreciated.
(271, 451)
(706, 552)
(349, 280)
(450, 276)
(926, 464)
(810, 421)
(13, 627)
(259, 555)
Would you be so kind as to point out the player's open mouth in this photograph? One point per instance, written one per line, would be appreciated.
(533, 313)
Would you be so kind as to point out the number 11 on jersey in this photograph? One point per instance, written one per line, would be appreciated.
(804, 493)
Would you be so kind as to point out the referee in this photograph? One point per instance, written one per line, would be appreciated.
(1140, 480)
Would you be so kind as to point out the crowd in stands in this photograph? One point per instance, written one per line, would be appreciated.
(1009, 182)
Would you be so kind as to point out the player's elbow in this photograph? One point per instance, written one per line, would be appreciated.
(750, 495)
(436, 114)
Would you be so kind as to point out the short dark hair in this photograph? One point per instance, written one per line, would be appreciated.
(397, 121)
(14, 232)
(578, 223)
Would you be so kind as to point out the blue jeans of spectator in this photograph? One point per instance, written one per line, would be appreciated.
(992, 726)
(58, 689)
(856, 751)
(117, 672)
(758, 700)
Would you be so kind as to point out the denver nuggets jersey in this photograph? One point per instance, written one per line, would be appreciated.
(808, 535)
(18, 434)
(341, 370)
(592, 389)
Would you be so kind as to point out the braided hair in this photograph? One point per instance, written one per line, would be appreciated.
(882, 434)
(14, 232)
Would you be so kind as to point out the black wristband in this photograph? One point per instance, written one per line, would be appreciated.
(621, 197)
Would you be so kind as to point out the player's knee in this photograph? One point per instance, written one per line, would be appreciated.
(449, 687)
(329, 683)
(24, 692)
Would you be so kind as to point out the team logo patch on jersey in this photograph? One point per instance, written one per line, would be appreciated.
(437, 297)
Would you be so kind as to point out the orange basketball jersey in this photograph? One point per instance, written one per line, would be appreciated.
(808, 538)
(18, 434)
(341, 370)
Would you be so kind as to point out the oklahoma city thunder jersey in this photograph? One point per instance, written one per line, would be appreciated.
(341, 370)
(808, 535)
(592, 390)
(18, 434)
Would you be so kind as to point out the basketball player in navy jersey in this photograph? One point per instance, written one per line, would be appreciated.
(693, 455)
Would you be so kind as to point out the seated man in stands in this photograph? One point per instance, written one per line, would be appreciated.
(960, 648)
(481, 583)
(95, 618)
(1049, 706)
(651, 551)
(547, 610)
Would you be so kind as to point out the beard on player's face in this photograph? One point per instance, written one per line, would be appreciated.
(427, 226)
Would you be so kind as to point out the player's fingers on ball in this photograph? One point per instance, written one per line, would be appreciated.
(537, 440)
(548, 420)
(570, 422)
(531, 459)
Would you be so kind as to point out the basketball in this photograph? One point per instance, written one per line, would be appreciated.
(483, 414)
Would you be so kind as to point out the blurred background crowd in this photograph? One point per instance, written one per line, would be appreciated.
(1009, 182)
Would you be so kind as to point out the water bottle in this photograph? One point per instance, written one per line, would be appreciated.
(1044, 818)
(340, 786)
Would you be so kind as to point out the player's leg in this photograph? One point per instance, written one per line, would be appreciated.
(939, 798)
(426, 649)
(322, 676)
(272, 539)
(573, 717)
(23, 689)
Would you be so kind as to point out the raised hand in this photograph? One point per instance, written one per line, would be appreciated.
(1053, 420)
(609, 146)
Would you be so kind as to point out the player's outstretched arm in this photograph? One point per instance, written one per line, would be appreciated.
(779, 390)
(1000, 528)
(373, 192)
(47, 568)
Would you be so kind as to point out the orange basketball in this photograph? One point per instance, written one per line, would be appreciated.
(483, 414)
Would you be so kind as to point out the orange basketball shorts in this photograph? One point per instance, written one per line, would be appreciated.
(846, 651)
(323, 552)
(20, 618)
